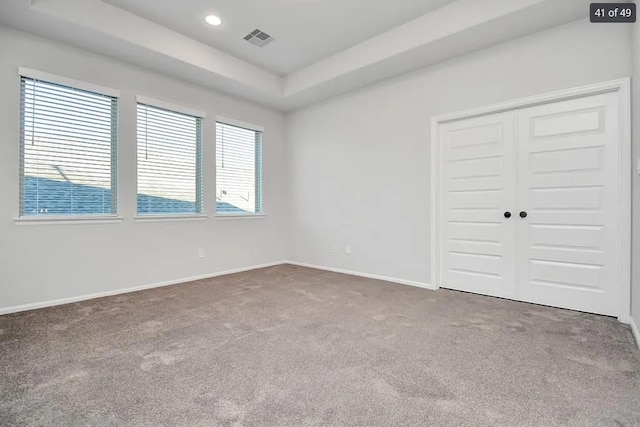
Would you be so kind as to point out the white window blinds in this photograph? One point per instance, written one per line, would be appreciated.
(68, 156)
(169, 162)
(238, 170)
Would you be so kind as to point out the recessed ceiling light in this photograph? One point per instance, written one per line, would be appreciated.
(213, 20)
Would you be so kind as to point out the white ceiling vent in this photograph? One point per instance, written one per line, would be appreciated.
(258, 38)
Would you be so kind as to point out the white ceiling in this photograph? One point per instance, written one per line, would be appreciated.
(323, 47)
(305, 31)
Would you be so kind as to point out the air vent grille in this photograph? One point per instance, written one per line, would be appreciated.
(258, 38)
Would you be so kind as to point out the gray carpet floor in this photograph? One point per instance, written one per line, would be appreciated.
(291, 346)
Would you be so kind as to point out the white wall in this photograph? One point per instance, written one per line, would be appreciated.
(48, 262)
(635, 133)
(359, 164)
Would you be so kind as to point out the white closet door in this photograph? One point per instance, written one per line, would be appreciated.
(568, 175)
(478, 242)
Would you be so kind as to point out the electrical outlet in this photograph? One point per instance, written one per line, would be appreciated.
(334, 250)
(347, 249)
(201, 253)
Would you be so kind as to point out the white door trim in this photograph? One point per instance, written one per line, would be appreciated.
(622, 87)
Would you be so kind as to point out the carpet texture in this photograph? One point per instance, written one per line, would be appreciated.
(292, 346)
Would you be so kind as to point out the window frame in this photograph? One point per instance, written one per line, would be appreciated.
(114, 216)
(200, 172)
(259, 169)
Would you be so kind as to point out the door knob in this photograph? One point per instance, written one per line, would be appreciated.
(523, 214)
(507, 214)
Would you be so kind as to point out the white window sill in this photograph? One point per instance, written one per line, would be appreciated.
(50, 220)
(162, 218)
(240, 216)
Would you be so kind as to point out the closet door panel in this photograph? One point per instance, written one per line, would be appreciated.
(567, 179)
(477, 187)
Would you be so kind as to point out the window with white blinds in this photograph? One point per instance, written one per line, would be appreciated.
(169, 162)
(68, 156)
(238, 170)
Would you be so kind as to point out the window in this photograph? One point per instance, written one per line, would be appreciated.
(238, 170)
(68, 155)
(169, 162)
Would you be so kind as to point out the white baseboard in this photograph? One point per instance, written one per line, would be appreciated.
(51, 303)
(69, 300)
(367, 275)
(636, 332)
